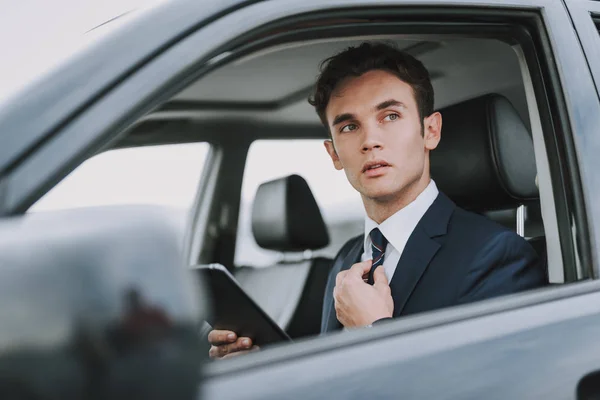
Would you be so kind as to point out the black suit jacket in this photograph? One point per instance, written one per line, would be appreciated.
(452, 257)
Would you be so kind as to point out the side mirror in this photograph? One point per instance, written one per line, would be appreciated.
(97, 306)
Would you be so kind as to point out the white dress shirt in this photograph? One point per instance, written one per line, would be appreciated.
(398, 228)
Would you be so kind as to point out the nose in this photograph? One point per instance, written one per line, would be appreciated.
(371, 139)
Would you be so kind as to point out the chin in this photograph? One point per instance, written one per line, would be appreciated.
(385, 191)
(380, 187)
(381, 195)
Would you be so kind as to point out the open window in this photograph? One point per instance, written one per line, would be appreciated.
(257, 89)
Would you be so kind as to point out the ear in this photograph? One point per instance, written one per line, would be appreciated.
(330, 147)
(432, 130)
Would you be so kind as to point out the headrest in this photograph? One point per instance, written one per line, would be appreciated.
(286, 217)
(485, 160)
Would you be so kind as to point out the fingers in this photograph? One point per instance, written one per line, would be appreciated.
(361, 268)
(221, 351)
(365, 277)
(218, 337)
(336, 297)
(339, 311)
(379, 276)
(339, 278)
(239, 353)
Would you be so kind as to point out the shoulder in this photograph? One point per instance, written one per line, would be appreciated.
(498, 260)
(474, 224)
(487, 235)
(479, 232)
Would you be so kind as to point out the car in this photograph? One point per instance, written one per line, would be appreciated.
(517, 84)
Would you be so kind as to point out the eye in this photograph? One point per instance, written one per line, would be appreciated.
(391, 117)
(349, 128)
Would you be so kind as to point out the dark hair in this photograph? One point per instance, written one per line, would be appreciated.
(355, 61)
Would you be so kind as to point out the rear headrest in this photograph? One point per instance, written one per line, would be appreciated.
(485, 160)
(286, 217)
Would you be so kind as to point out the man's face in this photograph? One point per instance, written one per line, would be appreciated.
(378, 136)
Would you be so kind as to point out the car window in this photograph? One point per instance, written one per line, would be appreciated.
(340, 204)
(165, 175)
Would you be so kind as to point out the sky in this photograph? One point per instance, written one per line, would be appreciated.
(35, 35)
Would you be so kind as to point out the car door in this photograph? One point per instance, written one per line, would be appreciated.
(534, 345)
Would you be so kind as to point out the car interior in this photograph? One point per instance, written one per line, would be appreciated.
(486, 161)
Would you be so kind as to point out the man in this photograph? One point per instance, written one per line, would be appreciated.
(420, 252)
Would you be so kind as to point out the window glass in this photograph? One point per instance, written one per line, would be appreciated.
(165, 175)
(271, 159)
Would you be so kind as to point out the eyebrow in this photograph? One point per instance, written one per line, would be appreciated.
(342, 118)
(381, 106)
(389, 103)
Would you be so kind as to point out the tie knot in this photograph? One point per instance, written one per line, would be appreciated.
(378, 240)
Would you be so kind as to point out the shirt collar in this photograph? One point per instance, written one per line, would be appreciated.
(399, 226)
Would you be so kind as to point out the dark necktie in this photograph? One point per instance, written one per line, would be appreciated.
(378, 244)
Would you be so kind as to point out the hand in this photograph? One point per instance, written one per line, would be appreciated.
(356, 302)
(227, 344)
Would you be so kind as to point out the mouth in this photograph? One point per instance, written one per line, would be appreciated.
(375, 166)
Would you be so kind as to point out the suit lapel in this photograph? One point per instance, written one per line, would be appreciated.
(351, 258)
(420, 250)
(415, 259)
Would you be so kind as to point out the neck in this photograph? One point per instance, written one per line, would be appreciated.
(381, 209)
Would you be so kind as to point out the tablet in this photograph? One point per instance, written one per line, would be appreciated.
(234, 310)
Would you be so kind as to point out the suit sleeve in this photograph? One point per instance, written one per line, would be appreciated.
(507, 264)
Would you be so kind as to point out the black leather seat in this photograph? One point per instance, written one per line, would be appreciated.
(486, 163)
(534, 230)
(287, 219)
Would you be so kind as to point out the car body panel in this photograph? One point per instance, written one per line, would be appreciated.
(535, 352)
